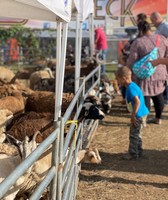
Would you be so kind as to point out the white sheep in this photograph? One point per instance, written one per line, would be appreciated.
(10, 158)
(38, 170)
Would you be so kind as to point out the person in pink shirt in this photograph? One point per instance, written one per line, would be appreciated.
(101, 45)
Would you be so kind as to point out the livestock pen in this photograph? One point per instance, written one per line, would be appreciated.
(62, 177)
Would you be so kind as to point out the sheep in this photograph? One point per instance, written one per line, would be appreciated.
(37, 76)
(38, 170)
(40, 63)
(112, 84)
(29, 122)
(5, 118)
(92, 109)
(106, 100)
(116, 87)
(11, 162)
(15, 103)
(39, 115)
(89, 155)
(6, 75)
(84, 70)
(40, 101)
(44, 101)
(43, 164)
(43, 80)
(8, 149)
(51, 63)
(8, 89)
(10, 158)
(26, 124)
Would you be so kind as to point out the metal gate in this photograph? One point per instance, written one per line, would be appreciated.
(62, 178)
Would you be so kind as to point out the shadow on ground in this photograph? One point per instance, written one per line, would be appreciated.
(118, 180)
(146, 165)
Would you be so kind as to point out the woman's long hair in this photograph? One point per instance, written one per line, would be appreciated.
(143, 27)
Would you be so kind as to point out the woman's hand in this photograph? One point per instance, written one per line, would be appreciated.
(154, 62)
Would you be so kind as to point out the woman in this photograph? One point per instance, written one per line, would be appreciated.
(141, 17)
(153, 86)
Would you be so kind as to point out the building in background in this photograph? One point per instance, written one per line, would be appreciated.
(114, 16)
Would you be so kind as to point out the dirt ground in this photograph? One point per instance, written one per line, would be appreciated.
(118, 179)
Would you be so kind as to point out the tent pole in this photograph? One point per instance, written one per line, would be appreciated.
(77, 69)
(78, 46)
(91, 34)
(62, 67)
(57, 70)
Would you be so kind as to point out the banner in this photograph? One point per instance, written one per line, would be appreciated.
(110, 13)
(122, 13)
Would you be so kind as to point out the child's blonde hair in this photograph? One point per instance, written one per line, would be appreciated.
(123, 72)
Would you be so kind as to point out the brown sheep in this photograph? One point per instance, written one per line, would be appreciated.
(15, 103)
(9, 89)
(44, 101)
(40, 101)
(26, 124)
(84, 71)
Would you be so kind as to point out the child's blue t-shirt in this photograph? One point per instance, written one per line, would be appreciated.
(132, 91)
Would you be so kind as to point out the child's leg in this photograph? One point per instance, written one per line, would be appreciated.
(140, 149)
(135, 145)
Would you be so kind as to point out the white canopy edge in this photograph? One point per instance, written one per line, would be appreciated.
(36, 9)
(85, 8)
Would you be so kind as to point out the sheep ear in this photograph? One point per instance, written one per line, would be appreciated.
(15, 142)
(34, 144)
(91, 154)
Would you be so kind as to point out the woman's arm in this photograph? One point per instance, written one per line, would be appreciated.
(159, 61)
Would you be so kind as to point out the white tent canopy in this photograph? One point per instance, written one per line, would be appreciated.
(45, 10)
(84, 9)
(50, 10)
(36, 9)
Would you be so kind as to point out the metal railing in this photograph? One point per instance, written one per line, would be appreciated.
(63, 174)
(33, 157)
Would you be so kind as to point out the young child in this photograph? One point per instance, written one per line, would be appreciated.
(139, 111)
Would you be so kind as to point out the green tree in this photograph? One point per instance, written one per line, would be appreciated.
(26, 39)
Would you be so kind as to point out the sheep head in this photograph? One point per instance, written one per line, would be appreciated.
(25, 147)
(90, 155)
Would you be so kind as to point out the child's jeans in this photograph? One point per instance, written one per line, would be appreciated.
(135, 140)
